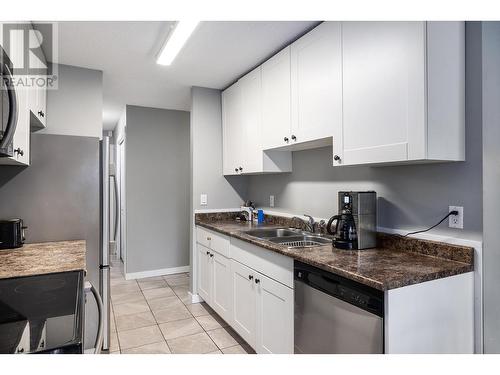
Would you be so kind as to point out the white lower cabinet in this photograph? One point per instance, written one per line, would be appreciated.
(275, 314)
(214, 281)
(250, 288)
(262, 310)
(244, 302)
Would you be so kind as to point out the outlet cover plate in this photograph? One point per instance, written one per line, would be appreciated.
(456, 221)
(271, 201)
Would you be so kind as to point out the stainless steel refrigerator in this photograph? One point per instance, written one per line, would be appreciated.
(108, 234)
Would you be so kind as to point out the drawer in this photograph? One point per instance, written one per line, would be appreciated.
(214, 241)
(276, 266)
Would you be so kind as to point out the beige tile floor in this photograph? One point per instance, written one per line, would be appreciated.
(155, 316)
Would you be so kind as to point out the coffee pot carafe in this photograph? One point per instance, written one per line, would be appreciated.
(345, 235)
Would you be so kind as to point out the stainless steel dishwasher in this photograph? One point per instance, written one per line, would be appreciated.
(336, 315)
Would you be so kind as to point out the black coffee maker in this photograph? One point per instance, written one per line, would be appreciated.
(355, 226)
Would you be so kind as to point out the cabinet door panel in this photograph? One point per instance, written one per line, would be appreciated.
(222, 292)
(232, 130)
(276, 115)
(251, 108)
(384, 91)
(316, 84)
(244, 302)
(274, 317)
(204, 273)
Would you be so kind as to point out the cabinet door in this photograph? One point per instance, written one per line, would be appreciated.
(232, 130)
(222, 292)
(21, 140)
(383, 91)
(204, 273)
(274, 316)
(316, 84)
(251, 110)
(244, 302)
(41, 97)
(276, 100)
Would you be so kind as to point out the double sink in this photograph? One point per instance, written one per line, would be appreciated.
(292, 238)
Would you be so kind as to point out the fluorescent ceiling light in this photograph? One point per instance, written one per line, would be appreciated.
(177, 39)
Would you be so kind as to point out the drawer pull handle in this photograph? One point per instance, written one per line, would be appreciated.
(257, 281)
(211, 255)
(250, 277)
(208, 252)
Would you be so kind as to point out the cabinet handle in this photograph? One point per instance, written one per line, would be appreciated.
(240, 168)
(19, 151)
(294, 137)
(209, 239)
(257, 281)
(208, 252)
(41, 114)
(285, 139)
(236, 169)
(250, 277)
(211, 255)
(336, 157)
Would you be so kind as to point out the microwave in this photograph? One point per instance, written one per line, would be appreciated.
(8, 105)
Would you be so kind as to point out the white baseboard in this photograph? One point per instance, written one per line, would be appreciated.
(195, 298)
(159, 272)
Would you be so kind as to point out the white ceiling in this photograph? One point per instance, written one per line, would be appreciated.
(216, 55)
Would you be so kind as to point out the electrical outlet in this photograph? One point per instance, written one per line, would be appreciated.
(456, 221)
(203, 199)
(271, 201)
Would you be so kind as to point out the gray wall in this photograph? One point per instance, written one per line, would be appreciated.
(157, 181)
(409, 197)
(72, 108)
(491, 185)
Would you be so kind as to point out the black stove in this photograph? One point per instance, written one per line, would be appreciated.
(42, 314)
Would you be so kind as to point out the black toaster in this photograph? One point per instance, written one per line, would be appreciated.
(11, 233)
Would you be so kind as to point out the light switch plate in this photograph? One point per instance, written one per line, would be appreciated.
(456, 221)
(203, 199)
(271, 201)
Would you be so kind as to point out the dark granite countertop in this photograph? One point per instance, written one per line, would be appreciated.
(397, 262)
(42, 258)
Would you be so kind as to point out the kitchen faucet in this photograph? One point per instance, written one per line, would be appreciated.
(308, 223)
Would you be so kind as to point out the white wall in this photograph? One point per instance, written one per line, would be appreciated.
(70, 106)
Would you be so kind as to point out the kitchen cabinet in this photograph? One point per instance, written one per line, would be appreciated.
(262, 310)
(316, 86)
(214, 274)
(232, 130)
(21, 139)
(276, 105)
(38, 95)
(244, 302)
(242, 130)
(275, 314)
(403, 92)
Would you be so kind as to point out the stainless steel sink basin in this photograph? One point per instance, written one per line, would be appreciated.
(293, 242)
(292, 238)
(272, 233)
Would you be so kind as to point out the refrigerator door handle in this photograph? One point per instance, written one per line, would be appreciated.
(117, 208)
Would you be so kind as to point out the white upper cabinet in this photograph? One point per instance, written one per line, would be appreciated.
(276, 106)
(232, 130)
(251, 113)
(242, 130)
(316, 85)
(395, 75)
